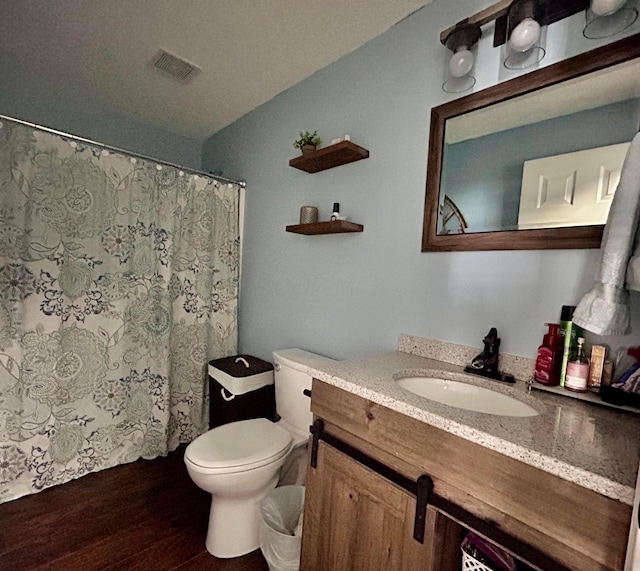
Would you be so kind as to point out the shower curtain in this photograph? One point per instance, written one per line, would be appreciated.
(118, 282)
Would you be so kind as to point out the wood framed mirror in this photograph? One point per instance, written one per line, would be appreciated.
(509, 132)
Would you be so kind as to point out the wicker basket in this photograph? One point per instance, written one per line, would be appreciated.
(470, 563)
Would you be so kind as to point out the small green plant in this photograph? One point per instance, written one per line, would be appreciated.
(307, 138)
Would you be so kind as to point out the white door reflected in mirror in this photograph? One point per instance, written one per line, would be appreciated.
(572, 189)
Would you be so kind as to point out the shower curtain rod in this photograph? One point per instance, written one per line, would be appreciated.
(241, 183)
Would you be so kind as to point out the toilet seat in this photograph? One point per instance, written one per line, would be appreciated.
(298, 436)
(239, 446)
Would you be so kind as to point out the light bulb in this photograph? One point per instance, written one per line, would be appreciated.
(606, 7)
(525, 35)
(461, 62)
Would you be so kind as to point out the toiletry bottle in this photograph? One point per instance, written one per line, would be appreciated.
(570, 333)
(607, 373)
(335, 215)
(549, 359)
(577, 376)
(596, 367)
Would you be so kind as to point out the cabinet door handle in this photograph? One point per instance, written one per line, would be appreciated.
(316, 430)
(424, 487)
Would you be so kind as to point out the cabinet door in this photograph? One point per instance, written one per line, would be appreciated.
(355, 519)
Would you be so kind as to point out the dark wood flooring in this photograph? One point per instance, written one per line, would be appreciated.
(148, 515)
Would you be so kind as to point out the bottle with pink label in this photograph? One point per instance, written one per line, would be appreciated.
(577, 376)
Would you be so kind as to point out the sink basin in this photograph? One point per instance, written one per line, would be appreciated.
(466, 396)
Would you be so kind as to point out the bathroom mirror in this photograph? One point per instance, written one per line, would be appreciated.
(532, 163)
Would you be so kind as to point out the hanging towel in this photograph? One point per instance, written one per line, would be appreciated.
(605, 309)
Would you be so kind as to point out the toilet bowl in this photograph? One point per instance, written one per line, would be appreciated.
(239, 463)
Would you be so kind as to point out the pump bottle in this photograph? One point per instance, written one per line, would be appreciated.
(549, 359)
(577, 377)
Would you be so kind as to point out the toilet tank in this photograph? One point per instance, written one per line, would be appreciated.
(291, 379)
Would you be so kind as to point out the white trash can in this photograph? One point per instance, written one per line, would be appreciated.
(281, 527)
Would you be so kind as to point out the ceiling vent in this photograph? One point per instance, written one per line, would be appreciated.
(174, 66)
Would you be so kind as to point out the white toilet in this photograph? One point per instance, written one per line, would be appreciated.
(239, 463)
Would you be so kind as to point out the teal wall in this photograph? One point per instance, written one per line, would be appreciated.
(29, 98)
(347, 294)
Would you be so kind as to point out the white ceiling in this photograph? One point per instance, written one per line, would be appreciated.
(248, 50)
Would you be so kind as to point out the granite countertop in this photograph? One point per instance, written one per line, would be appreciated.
(590, 445)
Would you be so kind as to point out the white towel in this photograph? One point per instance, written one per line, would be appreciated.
(605, 309)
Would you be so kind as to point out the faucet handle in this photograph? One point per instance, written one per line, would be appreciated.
(492, 341)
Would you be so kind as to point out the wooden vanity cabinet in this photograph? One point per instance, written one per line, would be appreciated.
(357, 519)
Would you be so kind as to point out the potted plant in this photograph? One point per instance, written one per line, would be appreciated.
(308, 142)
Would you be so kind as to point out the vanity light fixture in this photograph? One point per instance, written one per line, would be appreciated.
(521, 26)
(605, 18)
(458, 73)
(525, 46)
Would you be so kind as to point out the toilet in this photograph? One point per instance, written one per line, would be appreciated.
(239, 463)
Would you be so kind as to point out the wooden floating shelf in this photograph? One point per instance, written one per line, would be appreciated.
(341, 153)
(329, 227)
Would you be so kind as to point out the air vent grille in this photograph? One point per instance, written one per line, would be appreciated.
(175, 66)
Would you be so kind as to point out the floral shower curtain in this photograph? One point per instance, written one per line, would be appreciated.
(118, 282)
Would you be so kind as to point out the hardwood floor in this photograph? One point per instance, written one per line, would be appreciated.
(148, 515)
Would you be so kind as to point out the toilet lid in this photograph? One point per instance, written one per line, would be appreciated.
(239, 444)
